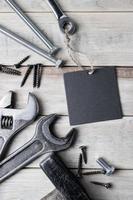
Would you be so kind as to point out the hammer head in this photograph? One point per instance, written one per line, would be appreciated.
(52, 143)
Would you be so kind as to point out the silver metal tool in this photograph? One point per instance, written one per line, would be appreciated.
(42, 142)
(65, 23)
(109, 170)
(30, 46)
(14, 120)
(32, 25)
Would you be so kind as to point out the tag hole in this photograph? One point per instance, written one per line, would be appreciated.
(91, 72)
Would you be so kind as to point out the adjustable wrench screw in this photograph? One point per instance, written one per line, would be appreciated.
(108, 169)
(18, 65)
(80, 162)
(8, 70)
(106, 185)
(28, 71)
(84, 153)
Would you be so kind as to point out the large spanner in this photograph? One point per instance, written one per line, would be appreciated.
(14, 120)
(65, 23)
(42, 142)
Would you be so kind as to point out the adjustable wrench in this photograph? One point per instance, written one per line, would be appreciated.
(14, 120)
(65, 23)
(42, 142)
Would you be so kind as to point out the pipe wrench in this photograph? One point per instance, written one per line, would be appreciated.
(14, 120)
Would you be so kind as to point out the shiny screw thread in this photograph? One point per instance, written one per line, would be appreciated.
(28, 71)
(10, 71)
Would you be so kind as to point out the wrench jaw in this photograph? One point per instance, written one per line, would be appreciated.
(67, 25)
(21, 119)
(53, 143)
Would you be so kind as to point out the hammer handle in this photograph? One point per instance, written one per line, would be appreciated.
(65, 181)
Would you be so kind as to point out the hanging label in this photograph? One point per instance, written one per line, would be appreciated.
(92, 98)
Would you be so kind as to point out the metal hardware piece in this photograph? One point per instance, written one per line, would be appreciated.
(32, 25)
(14, 120)
(94, 172)
(35, 68)
(80, 162)
(27, 73)
(39, 75)
(18, 65)
(29, 45)
(65, 23)
(8, 70)
(42, 142)
(84, 153)
(106, 185)
(108, 169)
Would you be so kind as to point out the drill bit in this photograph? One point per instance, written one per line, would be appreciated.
(80, 162)
(94, 172)
(28, 71)
(8, 70)
(106, 185)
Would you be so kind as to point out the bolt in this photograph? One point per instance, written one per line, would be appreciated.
(108, 169)
(18, 65)
(84, 153)
(106, 185)
(80, 162)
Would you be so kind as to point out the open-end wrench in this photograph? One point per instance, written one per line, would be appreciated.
(42, 142)
(65, 23)
(32, 25)
(14, 120)
(29, 45)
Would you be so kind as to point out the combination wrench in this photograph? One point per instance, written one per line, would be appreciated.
(65, 23)
(42, 142)
(31, 25)
(29, 45)
(14, 120)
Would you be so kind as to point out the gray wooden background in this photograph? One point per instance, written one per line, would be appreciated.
(105, 35)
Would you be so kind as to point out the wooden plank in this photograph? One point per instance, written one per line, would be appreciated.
(105, 38)
(33, 184)
(110, 139)
(51, 94)
(73, 6)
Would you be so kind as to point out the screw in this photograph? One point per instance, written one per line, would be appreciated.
(18, 65)
(39, 75)
(94, 172)
(28, 71)
(35, 76)
(84, 153)
(80, 162)
(106, 185)
(108, 169)
(8, 70)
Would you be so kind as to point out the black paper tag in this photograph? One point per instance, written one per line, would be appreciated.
(92, 98)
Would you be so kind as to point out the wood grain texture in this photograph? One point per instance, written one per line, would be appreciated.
(105, 38)
(33, 184)
(73, 6)
(53, 99)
